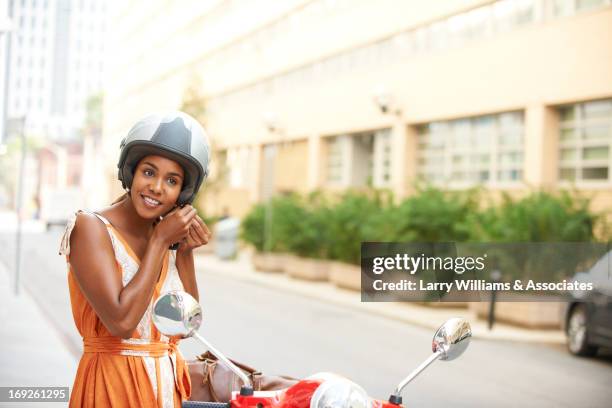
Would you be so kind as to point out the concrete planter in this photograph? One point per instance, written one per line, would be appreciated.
(307, 268)
(534, 315)
(269, 261)
(346, 276)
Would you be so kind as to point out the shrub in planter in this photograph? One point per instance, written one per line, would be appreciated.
(355, 218)
(252, 227)
(295, 225)
(538, 217)
(253, 231)
(300, 222)
(299, 225)
(430, 217)
(433, 215)
(271, 226)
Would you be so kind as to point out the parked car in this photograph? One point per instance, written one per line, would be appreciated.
(588, 315)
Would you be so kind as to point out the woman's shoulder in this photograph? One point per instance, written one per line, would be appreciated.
(86, 226)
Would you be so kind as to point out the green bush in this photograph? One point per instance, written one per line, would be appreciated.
(433, 215)
(288, 223)
(317, 227)
(538, 217)
(355, 218)
(302, 225)
(252, 227)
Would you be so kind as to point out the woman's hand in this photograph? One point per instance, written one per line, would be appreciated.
(199, 234)
(175, 225)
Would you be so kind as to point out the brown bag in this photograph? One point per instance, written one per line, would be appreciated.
(213, 381)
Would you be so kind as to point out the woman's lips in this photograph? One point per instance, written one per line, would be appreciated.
(150, 202)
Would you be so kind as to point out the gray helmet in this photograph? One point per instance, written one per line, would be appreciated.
(174, 135)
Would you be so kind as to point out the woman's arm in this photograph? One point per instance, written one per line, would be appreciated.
(199, 235)
(186, 269)
(93, 263)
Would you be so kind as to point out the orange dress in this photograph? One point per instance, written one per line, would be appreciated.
(146, 370)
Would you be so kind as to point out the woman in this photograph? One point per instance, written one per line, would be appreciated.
(119, 263)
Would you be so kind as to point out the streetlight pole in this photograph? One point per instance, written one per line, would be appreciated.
(6, 26)
(19, 127)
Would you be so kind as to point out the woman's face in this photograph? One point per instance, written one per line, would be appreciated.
(156, 186)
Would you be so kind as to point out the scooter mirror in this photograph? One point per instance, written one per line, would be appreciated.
(449, 342)
(177, 313)
(452, 338)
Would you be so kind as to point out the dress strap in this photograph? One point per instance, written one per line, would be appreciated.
(103, 219)
(65, 244)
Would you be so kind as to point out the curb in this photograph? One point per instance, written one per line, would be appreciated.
(416, 315)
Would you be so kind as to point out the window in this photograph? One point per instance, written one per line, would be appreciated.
(483, 149)
(585, 141)
(238, 162)
(589, 4)
(352, 160)
(334, 160)
(382, 158)
(569, 7)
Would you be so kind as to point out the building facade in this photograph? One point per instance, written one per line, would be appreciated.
(335, 94)
(55, 62)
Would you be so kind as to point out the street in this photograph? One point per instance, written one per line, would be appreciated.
(282, 333)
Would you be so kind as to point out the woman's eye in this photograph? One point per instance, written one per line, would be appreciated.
(148, 172)
(172, 181)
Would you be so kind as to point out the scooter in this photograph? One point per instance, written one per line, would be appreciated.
(177, 313)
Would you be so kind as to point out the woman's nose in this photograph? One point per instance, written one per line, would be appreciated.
(156, 185)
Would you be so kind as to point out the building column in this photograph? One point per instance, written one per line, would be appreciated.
(314, 162)
(401, 159)
(541, 146)
(410, 163)
(254, 184)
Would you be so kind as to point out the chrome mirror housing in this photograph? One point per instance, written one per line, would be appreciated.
(177, 313)
(452, 338)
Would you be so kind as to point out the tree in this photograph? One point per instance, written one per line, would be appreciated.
(194, 101)
(194, 104)
(94, 116)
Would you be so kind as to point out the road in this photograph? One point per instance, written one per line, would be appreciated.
(288, 334)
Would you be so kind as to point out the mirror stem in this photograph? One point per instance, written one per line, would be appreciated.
(417, 371)
(245, 380)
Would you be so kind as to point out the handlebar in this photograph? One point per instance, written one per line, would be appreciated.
(204, 404)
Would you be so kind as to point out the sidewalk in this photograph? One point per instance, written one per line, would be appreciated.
(32, 352)
(430, 318)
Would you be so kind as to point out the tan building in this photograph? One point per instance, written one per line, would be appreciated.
(331, 94)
